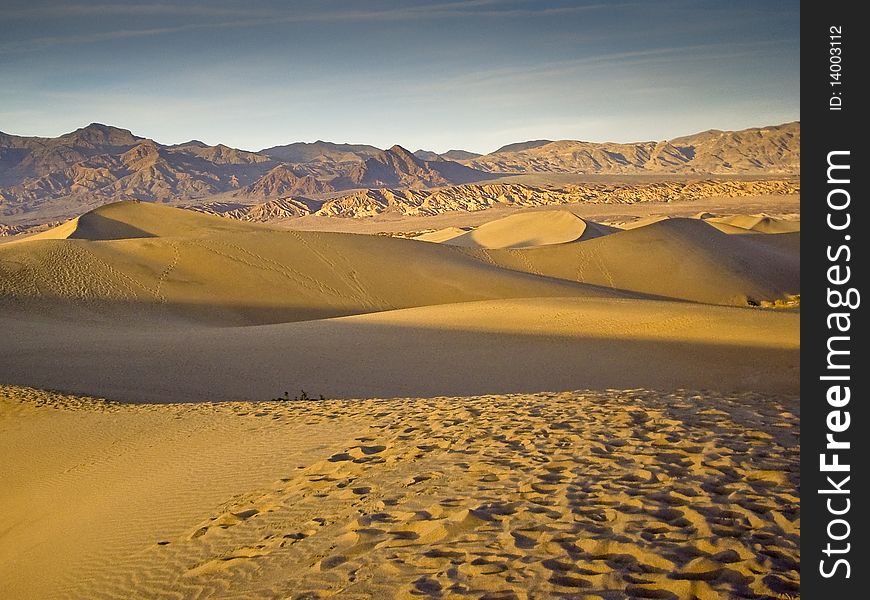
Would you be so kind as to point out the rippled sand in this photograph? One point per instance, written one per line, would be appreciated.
(583, 494)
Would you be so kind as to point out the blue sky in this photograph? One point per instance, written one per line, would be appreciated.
(471, 74)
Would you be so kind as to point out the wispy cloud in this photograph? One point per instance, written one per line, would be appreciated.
(66, 10)
(437, 72)
(41, 43)
(254, 17)
(516, 74)
(425, 10)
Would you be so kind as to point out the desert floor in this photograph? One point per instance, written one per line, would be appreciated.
(608, 494)
(447, 457)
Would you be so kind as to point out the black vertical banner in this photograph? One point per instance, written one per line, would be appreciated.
(835, 423)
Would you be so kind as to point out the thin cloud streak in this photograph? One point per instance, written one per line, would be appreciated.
(66, 10)
(462, 7)
(557, 69)
(448, 9)
(449, 72)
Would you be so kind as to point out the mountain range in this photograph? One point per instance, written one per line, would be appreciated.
(52, 178)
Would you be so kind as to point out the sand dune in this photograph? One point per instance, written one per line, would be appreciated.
(660, 255)
(500, 346)
(511, 488)
(644, 221)
(441, 235)
(674, 258)
(789, 244)
(126, 220)
(204, 268)
(755, 223)
(523, 230)
(734, 224)
(632, 494)
(168, 315)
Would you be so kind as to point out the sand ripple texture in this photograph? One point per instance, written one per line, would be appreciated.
(594, 495)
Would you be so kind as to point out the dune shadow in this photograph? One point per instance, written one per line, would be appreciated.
(153, 360)
(96, 227)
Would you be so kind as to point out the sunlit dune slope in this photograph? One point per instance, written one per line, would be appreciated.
(523, 230)
(441, 235)
(130, 219)
(676, 258)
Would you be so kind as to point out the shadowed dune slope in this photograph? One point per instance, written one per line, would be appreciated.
(756, 224)
(789, 244)
(729, 229)
(206, 268)
(676, 258)
(643, 222)
(496, 346)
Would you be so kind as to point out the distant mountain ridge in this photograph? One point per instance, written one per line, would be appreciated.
(97, 164)
(520, 146)
(303, 152)
(283, 182)
(398, 167)
(769, 150)
(456, 155)
(51, 178)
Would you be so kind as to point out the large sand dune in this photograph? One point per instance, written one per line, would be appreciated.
(468, 348)
(192, 306)
(130, 219)
(513, 488)
(756, 224)
(148, 303)
(674, 258)
(180, 263)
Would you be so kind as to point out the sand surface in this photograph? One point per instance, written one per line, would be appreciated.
(680, 258)
(466, 470)
(467, 348)
(139, 302)
(579, 494)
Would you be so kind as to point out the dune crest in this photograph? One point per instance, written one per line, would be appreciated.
(680, 258)
(756, 224)
(178, 263)
(523, 230)
(130, 219)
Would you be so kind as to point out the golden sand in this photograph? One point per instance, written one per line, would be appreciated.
(481, 478)
(585, 494)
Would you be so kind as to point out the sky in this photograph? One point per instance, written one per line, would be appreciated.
(437, 75)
